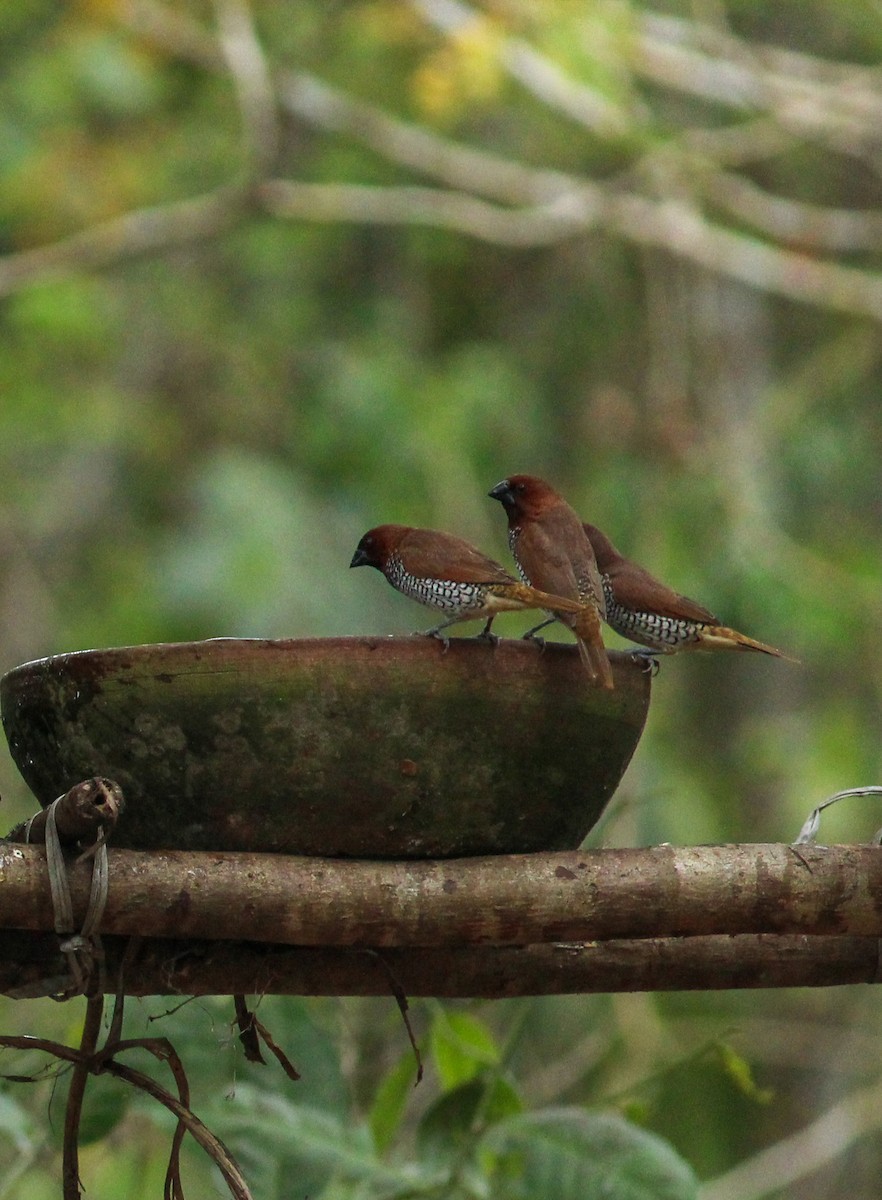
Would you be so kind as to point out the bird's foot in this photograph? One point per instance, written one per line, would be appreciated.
(530, 635)
(439, 637)
(537, 641)
(486, 636)
(648, 659)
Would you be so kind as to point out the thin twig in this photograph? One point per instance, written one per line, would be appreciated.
(161, 1048)
(276, 1050)
(246, 1022)
(401, 1000)
(809, 831)
(209, 1142)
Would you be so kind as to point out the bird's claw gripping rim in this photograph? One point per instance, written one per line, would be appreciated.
(439, 637)
(648, 660)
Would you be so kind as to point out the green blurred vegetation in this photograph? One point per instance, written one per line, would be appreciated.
(194, 435)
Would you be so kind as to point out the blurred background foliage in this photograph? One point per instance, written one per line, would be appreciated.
(256, 296)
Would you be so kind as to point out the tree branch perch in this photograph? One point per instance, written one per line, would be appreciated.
(31, 965)
(662, 913)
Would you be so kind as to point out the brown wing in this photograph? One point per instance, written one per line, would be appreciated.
(432, 554)
(635, 588)
(556, 556)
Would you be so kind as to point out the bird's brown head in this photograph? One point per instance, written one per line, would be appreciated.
(524, 496)
(378, 545)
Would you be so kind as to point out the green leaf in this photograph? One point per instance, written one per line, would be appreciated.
(104, 1105)
(461, 1046)
(463, 1113)
(739, 1070)
(390, 1101)
(573, 1155)
(16, 1123)
(312, 1145)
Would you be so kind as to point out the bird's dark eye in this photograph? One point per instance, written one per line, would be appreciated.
(519, 487)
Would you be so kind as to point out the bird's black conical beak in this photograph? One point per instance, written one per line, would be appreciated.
(502, 492)
(360, 558)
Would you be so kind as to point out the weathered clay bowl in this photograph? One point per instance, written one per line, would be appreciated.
(366, 747)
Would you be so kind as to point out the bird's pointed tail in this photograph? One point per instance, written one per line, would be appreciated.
(582, 618)
(586, 626)
(721, 637)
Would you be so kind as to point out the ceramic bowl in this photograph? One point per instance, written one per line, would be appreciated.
(368, 747)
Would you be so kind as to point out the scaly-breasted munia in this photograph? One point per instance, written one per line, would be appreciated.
(448, 573)
(552, 553)
(641, 607)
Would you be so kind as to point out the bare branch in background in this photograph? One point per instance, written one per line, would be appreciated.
(837, 104)
(452, 163)
(749, 141)
(834, 230)
(416, 206)
(537, 205)
(794, 1158)
(681, 229)
(673, 225)
(145, 231)
(172, 31)
(538, 74)
(254, 85)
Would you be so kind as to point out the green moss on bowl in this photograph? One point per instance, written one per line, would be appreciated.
(364, 747)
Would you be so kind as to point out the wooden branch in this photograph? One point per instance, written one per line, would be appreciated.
(31, 965)
(82, 813)
(662, 891)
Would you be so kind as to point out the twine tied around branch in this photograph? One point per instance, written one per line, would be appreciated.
(83, 950)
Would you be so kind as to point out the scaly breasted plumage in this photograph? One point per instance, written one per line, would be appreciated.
(552, 553)
(641, 607)
(447, 573)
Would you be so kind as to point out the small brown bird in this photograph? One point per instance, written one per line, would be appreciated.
(552, 553)
(640, 607)
(447, 573)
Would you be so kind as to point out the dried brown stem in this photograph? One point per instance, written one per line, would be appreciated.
(209, 1142)
(102, 1061)
(70, 1170)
